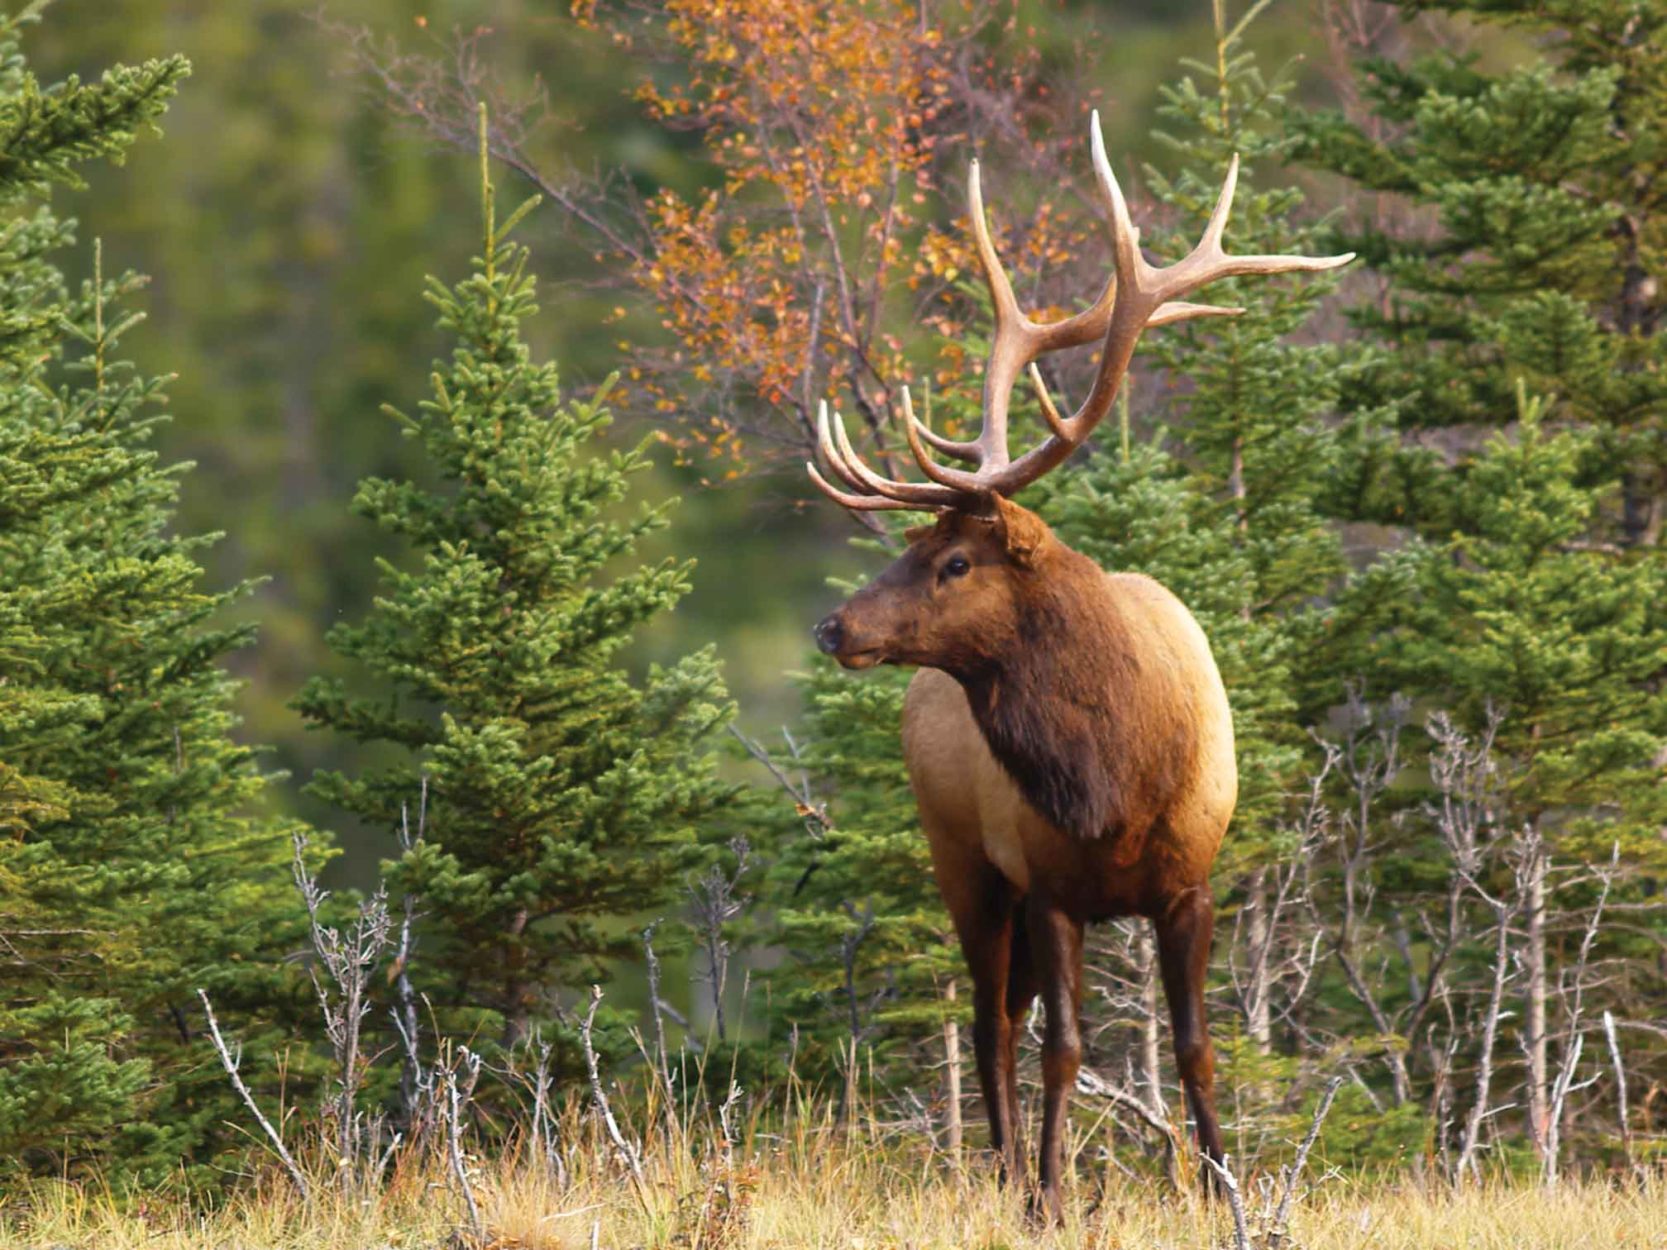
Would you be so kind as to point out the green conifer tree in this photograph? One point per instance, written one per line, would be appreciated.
(131, 872)
(1516, 612)
(562, 793)
(1516, 615)
(872, 951)
(1546, 181)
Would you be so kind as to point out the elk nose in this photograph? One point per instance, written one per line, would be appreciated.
(829, 633)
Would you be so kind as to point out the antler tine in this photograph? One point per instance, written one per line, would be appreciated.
(1050, 414)
(1011, 343)
(967, 452)
(858, 503)
(963, 451)
(830, 453)
(1217, 225)
(916, 430)
(1209, 261)
(1008, 316)
(835, 446)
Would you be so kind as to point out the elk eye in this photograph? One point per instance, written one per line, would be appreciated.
(956, 566)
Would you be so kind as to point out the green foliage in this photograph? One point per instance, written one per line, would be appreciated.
(1545, 182)
(1537, 591)
(871, 947)
(131, 872)
(1521, 361)
(1519, 611)
(563, 795)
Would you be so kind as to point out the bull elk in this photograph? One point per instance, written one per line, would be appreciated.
(1068, 737)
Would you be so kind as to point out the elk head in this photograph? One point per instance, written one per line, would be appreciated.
(952, 599)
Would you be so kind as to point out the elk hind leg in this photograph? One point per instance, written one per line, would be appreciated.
(1184, 929)
(1021, 993)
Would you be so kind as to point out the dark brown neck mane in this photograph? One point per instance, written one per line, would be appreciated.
(1060, 708)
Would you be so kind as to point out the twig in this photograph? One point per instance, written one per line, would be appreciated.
(455, 1099)
(661, 1058)
(415, 1086)
(1241, 1233)
(812, 811)
(1276, 1233)
(347, 959)
(1574, 1000)
(626, 1151)
(1620, 1084)
(1471, 1135)
(231, 1063)
(1091, 1082)
(715, 900)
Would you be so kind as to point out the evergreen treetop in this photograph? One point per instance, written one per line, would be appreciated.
(1544, 182)
(563, 793)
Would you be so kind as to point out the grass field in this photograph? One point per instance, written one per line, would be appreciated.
(823, 1186)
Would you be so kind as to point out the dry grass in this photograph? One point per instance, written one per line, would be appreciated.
(816, 1186)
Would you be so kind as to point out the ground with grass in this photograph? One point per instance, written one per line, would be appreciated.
(821, 1185)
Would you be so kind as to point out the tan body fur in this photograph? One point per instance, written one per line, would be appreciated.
(972, 811)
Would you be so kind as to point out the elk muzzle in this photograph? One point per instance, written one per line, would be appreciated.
(835, 639)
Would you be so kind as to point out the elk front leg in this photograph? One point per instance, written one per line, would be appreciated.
(1056, 947)
(982, 905)
(1184, 931)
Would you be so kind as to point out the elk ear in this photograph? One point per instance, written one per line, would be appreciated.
(1021, 530)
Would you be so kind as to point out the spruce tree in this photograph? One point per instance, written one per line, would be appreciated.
(1545, 180)
(1515, 619)
(870, 946)
(132, 871)
(562, 793)
(1516, 347)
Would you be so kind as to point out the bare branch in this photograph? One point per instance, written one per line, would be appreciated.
(599, 1096)
(232, 1063)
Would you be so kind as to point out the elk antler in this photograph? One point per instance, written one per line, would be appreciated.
(1137, 295)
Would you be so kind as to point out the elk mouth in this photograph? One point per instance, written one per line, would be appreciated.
(862, 659)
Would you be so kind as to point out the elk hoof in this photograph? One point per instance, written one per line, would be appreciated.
(1045, 1209)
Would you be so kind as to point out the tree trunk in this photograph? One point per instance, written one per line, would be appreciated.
(517, 1012)
(1151, 1075)
(1641, 510)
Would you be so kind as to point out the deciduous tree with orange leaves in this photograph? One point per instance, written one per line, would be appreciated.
(822, 259)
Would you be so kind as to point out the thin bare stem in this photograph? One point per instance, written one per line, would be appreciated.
(232, 1063)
